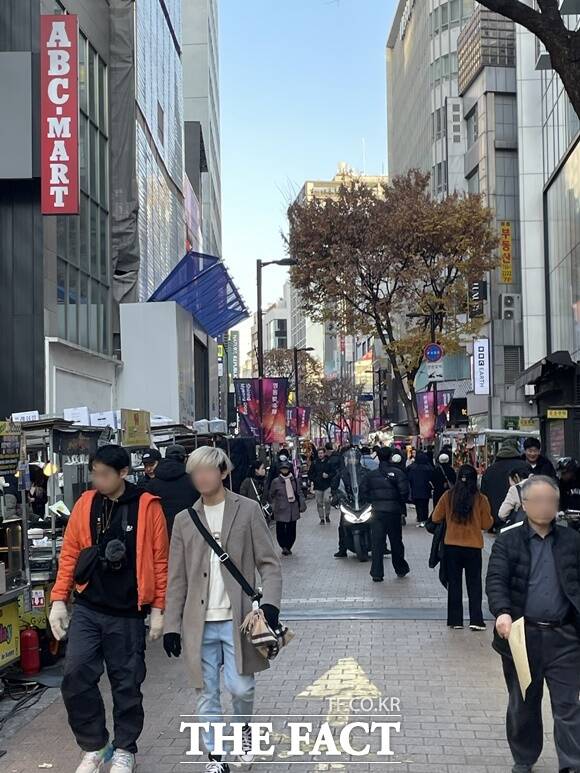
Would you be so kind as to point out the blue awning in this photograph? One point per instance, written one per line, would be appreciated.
(202, 285)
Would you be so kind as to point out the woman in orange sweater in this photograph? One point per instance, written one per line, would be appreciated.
(467, 514)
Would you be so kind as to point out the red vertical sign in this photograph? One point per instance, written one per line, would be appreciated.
(59, 115)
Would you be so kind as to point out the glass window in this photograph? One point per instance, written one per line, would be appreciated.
(84, 151)
(94, 317)
(444, 16)
(73, 239)
(93, 91)
(472, 127)
(61, 240)
(454, 69)
(61, 298)
(435, 21)
(467, 8)
(454, 12)
(72, 302)
(95, 228)
(84, 311)
(104, 246)
(83, 90)
(94, 165)
(102, 96)
(473, 182)
(445, 66)
(104, 319)
(84, 232)
(103, 177)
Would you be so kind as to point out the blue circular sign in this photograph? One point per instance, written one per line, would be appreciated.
(433, 352)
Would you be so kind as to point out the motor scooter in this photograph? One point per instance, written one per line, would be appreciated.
(355, 515)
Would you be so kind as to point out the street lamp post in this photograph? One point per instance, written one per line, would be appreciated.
(260, 338)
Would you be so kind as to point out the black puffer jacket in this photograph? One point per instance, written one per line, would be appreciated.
(387, 488)
(421, 474)
(509, 570)
(495, 482)
(543, 467)
(174, 487)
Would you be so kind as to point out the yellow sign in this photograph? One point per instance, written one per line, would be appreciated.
(220, 350)
(506, 258)
(9, 633)
(136, 426)
(557, 413)
(529, 424)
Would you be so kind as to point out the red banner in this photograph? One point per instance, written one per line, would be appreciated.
(274, 402)
(59, 115)
(298, 421)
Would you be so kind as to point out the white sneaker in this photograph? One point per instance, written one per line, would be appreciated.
(92, 762)
(215, 766)
(246, 756)
(123, 762)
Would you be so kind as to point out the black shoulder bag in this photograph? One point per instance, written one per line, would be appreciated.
(266, 640)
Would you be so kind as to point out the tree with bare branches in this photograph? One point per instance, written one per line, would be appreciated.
(548, 24)
(366, 262)
(335, 404)
(279, 363)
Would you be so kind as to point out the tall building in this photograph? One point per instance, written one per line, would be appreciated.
(549, 156)
(487, 85)
(422, 62)
(202, 115)
(276, 327)
(335, 351)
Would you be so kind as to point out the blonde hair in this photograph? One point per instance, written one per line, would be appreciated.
(207, 456)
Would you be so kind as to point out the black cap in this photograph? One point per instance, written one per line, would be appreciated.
(285, 464)
(151, 456)
(175, 452)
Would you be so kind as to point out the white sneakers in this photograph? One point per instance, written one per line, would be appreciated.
(94, 762)
(123, 762)
(246, 756)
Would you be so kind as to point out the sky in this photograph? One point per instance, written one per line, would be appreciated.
(302, 87)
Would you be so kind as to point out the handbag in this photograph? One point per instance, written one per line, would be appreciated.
(265, 639)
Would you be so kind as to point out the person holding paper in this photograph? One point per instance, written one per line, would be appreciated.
(534, 573)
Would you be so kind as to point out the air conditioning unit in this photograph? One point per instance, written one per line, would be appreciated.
(510, 306)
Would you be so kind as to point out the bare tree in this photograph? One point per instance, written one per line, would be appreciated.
(547, 24)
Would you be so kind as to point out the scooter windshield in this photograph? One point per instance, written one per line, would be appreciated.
(351, 463)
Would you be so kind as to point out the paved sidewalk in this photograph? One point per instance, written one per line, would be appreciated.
(449, 683)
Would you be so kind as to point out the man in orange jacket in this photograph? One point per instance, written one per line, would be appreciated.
(114, 555)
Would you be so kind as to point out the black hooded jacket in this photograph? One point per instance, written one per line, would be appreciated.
(174, 487)
(495, 482)
(387, 488)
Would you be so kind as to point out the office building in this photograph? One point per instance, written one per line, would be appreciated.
(200, 57)
(423, 132)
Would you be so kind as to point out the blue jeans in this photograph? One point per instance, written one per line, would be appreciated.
(217, 650)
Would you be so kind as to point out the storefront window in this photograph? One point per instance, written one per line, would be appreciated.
(563, 202)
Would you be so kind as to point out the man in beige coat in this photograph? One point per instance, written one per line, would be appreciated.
(205, 605)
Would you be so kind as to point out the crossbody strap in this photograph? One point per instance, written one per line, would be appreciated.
(224, 558)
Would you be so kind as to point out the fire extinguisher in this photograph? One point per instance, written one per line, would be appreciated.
(29, 651)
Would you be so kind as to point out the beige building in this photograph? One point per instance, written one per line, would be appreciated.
(328, 189)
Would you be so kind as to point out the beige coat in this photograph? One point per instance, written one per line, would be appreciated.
(246, 538)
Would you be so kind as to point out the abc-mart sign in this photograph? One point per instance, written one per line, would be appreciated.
(59, 111)
(406, 17)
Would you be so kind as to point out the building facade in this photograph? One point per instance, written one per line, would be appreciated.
(202, 115)
(423, 132)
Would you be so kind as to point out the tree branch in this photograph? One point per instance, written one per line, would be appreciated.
(549, 21)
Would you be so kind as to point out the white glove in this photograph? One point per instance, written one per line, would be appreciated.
(59, 619)
(155, 624)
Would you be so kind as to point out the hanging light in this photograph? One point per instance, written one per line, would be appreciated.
(50, 469)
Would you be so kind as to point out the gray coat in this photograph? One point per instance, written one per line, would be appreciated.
(246, 538)
(282, 509)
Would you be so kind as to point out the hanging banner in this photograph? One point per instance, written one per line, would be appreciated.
(10, 438)
(298, 421)
(425, 403)
(59, 115)
(274, 404)
(506, 254)
(481, 378)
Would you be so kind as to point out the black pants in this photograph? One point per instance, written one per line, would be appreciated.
(94, 640)
(389, 525)
(286, 534)
(554, 655)
(459, 560)
(422, 508)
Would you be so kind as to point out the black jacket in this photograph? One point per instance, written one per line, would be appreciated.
(387, 488)
(495, 481)
(316, 471)
(421, 474)
(174, 487)
(509, 570)
(444, 478)
(570, 493)
(543, 467)
(253, 487)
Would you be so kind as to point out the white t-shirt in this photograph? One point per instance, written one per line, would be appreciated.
(219, 606)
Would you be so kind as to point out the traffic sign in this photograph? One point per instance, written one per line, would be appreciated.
(435, 371)
(433, 352)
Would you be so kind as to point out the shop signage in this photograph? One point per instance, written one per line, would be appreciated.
(528, 424)
(136, 427)
(477, 295)
(24, 416)
(59, 115)
(557, 413)
(506, 256)
(9, 633)
(10, 438)
(481, 379)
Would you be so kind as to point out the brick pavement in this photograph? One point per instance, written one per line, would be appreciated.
(452, 698)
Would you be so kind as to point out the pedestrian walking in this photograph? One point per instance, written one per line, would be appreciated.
(534, 573)
(287, 503)
(114, 555)
(172, 484)
(386, 489)
(320, 475)
(420, 475)
(254, 486)
(539, 464)
(150, 459)
(495, 482)
(511, 510)
(466, 514)
(444, 477)
(205, 603)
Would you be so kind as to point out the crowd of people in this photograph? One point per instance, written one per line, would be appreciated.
(182, 550)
